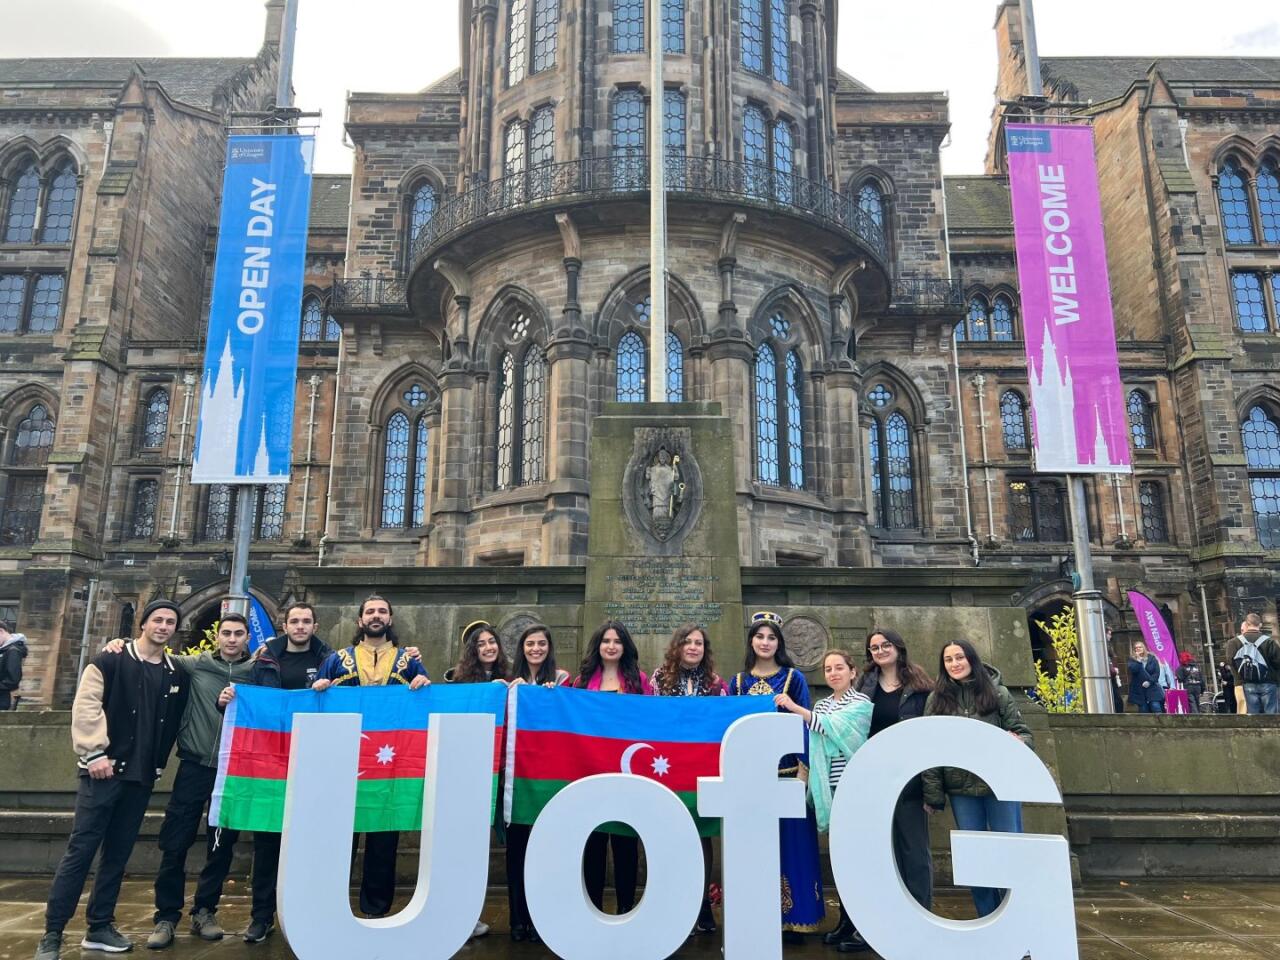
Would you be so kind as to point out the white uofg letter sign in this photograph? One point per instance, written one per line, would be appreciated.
(1036, 917)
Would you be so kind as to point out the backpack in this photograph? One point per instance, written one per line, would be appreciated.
(1250, 670)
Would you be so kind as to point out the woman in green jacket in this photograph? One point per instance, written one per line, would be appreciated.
(969, 688)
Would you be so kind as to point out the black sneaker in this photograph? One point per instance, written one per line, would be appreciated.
(50, 947)
(107, 939)
(258, 931)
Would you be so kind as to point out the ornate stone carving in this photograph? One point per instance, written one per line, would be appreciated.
(807, 641)
(662, 487)
(510, 630)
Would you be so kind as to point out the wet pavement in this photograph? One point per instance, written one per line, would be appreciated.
(1138, 920)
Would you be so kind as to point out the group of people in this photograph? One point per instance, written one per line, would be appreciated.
(136, 700)
(1249, 674)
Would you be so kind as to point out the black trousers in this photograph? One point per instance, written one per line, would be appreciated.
(266, 865)
(192, 788)
(911, 847)
(108, 816)
(7, 700)
(626, 866)
(517, 844)
(378, 874)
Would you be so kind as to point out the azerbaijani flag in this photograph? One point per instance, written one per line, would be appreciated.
(253, 760)
(560, 735)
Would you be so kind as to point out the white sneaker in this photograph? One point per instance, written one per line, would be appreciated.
(481, 929)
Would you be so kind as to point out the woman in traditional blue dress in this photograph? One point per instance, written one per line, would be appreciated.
(768, 671)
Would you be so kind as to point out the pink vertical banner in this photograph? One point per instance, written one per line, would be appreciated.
(1077, 400)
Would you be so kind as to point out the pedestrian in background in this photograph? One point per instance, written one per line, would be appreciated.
(1192, 680)
(1145, 691)
(1254, 658)
(13, 650)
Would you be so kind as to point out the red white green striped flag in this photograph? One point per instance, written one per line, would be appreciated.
(559, 735)
(254, 757)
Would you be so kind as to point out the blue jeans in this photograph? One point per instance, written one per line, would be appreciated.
(1151, 706)
(986, 813)
(1261, 698)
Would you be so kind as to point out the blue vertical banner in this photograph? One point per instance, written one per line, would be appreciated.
(260, 628)
(245, 430)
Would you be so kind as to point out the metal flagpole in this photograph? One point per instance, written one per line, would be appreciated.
(246, 494)
(1091, 621)
(657, 215)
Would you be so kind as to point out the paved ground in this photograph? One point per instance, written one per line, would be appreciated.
(1167, 920)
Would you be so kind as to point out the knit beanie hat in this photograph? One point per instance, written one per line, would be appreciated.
(161, 604)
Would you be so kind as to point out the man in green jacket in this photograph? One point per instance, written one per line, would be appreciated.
(198, 739)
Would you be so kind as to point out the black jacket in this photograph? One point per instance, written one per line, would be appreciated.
(104, 715)
(11, 656)
(1148, 671)
(266, 664)
(913, 700)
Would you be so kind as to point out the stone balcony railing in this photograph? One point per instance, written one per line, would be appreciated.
(369, 295)
(926, 295)
(709, 178)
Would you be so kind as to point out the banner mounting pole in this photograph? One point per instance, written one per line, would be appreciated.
(238, 593)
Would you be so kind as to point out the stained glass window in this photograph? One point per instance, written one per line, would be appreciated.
(513, 156)
(506, 420)
(755, 136)
(628, 26)
(146, 494)
(269, 510)
(395, 471)
(33, 439)
(1251, 307)
(673, 26)
(1265, 492)
(751, 13)
(532, 391)
(542, 137)
(673, 123)
(784, 159)
(421, 438)
(871, 203)
(546, 21)
(1269, 200)
(517, 40)
(1141, 425)
(155, 419)
(23, 504)
(627, 133)
(13, 297)
(1021, 515)
(897, 455)
(978, 319)
(1233, 197)
(873, 459)
(675, 369)
(1013, 420)
(780, 326)
(518, 327)
(1036, 511)
(60, 206)
(24, 199)
(218, 512)
(631, 369)
(795, 421)
(1155, 528)
(416, 395)
(958, 333)
(780, 40)
(1002, 318)
(1261, 440)
(767, 455)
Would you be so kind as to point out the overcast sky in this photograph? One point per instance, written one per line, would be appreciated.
(403, 45)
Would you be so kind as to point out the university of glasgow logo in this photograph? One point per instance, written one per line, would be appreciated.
(1029, 141)
(256, 151)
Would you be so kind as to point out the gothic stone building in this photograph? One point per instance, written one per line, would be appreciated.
(478, 291)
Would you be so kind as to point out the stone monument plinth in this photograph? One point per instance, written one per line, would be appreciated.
(662, 546)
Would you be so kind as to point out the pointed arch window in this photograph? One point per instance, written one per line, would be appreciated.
(675, 369)
(1268, 185)
(871, 204)
(155, 419)
(1155, 525)
(24, 477)
(631, 367)
(1002, 318)
(628, 26)
(1142, 431)
(142, 522)
(1233, 199)
(317, 326)
(421, 207)
(405, 451)
(521, 417)
(1013, 420)
(1261, 435)
(60, 205)
(24, 201)
(890, 462)
(779, 380)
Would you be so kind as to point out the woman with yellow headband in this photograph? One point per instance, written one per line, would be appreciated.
(481, 658)
(768, 671)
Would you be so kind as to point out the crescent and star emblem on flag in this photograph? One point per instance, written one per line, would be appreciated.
(660, 765)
